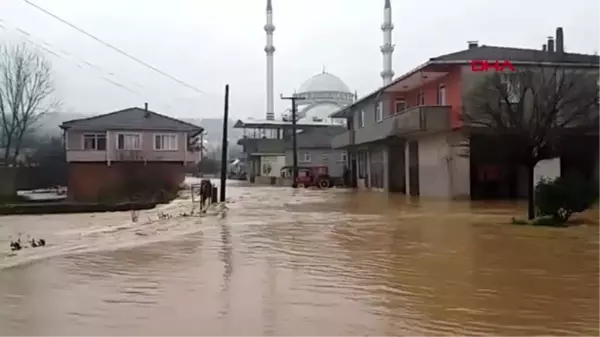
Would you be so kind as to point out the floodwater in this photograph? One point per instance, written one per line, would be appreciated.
(301, 262)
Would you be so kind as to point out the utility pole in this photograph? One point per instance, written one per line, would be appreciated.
(294, 98)
(224, 145)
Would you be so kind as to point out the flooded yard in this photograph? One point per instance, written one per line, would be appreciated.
(301, 262)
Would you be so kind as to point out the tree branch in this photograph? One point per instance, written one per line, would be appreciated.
(26, 91)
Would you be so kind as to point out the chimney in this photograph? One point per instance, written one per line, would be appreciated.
(147, 114)
(550, 44)
(560, 40)
(473, 44)
(544, 47)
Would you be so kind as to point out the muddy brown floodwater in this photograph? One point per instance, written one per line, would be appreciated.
(301, 262)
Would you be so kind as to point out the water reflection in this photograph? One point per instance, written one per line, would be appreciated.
(305, 262)
(226, 254)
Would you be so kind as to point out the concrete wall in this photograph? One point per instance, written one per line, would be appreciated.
(270, 166)
(91, 181)
(460, 166)
(333, 159)
(442, 172)
(434, 177)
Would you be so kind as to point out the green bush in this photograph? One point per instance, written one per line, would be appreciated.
(562, 197)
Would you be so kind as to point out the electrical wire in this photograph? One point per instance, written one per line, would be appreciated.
(79, 62)
(120, 51)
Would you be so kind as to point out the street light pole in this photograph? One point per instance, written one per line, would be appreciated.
(294, 98)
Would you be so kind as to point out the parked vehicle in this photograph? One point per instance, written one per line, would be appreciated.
(309, 176)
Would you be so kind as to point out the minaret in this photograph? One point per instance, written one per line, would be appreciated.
(270, 49)
(387, 74)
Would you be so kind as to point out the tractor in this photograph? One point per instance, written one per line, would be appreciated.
(309, 176)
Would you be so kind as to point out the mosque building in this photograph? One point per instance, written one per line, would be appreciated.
(322, 95)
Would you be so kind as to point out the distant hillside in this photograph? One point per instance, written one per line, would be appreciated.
(214, 130)
(48, 125)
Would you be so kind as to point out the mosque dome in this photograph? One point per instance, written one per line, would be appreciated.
(323, 94)
(321, 112)
(324, 82)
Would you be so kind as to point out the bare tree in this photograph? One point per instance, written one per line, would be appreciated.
(530, 111)
(25, 95)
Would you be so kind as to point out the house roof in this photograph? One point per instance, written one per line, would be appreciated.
(316, 138)
(517, 56)
(131, 119)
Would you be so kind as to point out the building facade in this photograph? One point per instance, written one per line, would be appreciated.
(314, 149)
(100, 149)
(264, 145)
(408, 136)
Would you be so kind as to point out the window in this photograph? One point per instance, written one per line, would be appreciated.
(379, 111)
(343, 156)
(420, 98)
(165, 142)
(400, 105)
(94, 142)
(442, 95)
(305, 157)
(361, 118)
(129, 141)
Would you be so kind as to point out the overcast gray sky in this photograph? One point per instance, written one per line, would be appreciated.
(208, 43)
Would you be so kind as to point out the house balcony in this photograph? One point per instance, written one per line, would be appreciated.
(343, 140)
(130, 155)
(86, 156)
(254, 146)
(414, 121)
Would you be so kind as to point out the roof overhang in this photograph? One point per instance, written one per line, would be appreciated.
(434, 69)
(268, 124)
(100, 128)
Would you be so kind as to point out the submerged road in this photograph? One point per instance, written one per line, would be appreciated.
(300, 262)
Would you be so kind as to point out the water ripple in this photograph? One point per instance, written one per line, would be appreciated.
(301, 262)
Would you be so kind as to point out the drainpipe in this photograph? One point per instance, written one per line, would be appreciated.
(108, 148)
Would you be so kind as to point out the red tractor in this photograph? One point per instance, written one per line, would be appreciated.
(309, 176)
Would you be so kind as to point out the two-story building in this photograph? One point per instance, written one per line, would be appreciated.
(409, 137)
(98, 148)
(313, 148)
(264, 144)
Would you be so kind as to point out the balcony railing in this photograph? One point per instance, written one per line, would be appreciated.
(85, 156)
(414, 120)
(264, 145)
(130, 155)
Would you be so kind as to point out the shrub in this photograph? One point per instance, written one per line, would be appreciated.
(562, 197)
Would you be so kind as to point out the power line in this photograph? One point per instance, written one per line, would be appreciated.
(106, 44)
(79, 62)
